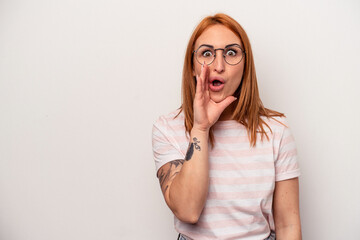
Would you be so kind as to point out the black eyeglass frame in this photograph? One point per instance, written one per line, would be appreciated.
(223, 49)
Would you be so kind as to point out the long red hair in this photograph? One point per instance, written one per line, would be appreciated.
(248, 106)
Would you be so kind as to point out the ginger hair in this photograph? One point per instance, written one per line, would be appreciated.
(248, 107)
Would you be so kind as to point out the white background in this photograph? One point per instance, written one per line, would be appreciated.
(82, 81)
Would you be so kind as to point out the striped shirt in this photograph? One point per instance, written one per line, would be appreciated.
(242, 178)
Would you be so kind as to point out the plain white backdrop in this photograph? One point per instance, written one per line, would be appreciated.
(82, 81)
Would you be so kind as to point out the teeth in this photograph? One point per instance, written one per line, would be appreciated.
(216, 83)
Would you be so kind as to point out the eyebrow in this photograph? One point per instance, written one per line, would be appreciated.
(211, 46)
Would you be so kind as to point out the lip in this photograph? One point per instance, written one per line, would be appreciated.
(216, 88)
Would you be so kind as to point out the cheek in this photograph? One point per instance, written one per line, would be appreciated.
(196, 69)
(240, 72)
(234, 85)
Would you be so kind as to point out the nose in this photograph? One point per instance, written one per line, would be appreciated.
(219, 63)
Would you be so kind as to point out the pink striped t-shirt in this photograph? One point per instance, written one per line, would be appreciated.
(242, 178)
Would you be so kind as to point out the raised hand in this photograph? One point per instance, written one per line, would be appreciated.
(206, 111)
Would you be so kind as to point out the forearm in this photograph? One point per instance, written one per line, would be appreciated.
(188, 191)
(286, 210)
(290, 232)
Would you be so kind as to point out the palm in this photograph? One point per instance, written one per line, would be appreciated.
(206, 111)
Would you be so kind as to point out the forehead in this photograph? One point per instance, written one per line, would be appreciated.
(218, 36)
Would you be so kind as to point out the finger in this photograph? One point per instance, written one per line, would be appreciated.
(198, 85)
(202, 74)
(226, 102)
(206, 79)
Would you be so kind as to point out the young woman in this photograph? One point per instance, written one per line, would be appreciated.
(227, 165)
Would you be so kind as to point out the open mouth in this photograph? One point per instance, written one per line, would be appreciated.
(216, 83)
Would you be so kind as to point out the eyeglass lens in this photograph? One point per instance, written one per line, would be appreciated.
(232, 54)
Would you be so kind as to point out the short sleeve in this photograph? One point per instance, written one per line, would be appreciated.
(165, 148)
(286, 163)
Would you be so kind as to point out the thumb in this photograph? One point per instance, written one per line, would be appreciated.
(226, 102)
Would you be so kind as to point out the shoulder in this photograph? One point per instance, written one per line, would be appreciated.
(174, 117)
(172, 120)
(276, 124)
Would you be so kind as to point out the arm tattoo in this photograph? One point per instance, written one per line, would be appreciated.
(165, 177)
(192, 145)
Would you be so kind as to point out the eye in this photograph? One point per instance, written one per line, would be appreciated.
(207, 53)
(231, 52)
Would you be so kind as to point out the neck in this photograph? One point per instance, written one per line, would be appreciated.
(227, 113)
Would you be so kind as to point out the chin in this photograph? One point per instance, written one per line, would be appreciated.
(217, 98)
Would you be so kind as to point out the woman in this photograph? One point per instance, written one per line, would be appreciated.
(226, 164)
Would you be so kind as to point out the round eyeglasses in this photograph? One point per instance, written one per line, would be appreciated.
(233, 54)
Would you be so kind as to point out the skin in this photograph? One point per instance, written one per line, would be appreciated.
(286, 210)
(219, 36)
(185, 182)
